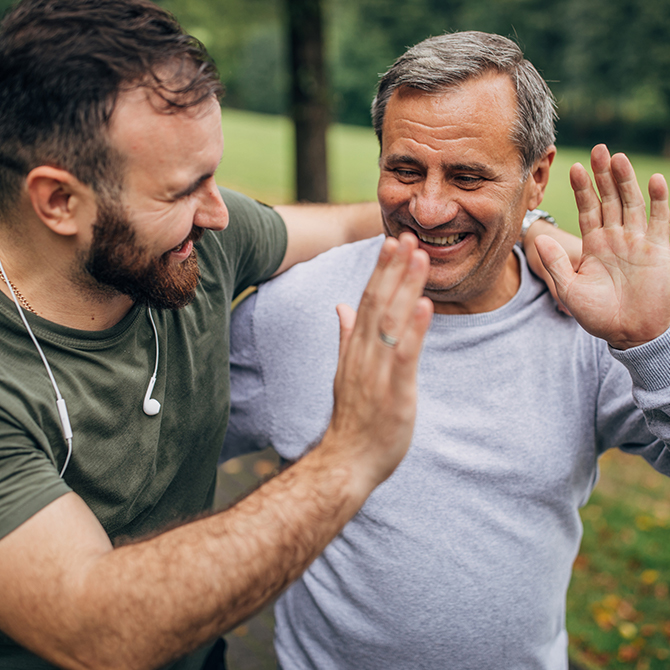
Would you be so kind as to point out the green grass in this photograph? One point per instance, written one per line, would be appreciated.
(258, 160)
(618, 603)
(618, 606)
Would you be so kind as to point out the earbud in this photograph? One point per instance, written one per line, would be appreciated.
(151, 406)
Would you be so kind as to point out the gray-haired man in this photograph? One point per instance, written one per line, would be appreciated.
(463, 557)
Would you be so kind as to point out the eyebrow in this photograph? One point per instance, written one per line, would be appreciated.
(468, 167)
(401, 158)
(395, 159)
(191, 188)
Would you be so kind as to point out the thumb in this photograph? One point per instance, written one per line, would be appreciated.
(557, 263)
(347, 321)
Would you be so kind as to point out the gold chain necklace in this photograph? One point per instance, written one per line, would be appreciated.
(22, 301)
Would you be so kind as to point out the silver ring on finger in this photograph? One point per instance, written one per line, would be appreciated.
(388, 340)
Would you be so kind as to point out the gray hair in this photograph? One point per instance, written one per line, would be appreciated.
(443, 62)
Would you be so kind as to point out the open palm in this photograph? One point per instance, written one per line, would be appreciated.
(621, 291)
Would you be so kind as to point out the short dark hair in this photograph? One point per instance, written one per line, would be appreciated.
(443, 62)
(63, 64)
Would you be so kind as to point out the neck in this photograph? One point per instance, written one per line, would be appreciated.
(57, 299)
(502, 291)
(41, 265)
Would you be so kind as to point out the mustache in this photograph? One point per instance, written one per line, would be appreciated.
(195, 235)
(456, 225)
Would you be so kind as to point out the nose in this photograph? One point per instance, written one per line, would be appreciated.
(212, 212)
(431, 204)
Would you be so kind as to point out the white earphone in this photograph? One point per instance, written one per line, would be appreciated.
(151, 406)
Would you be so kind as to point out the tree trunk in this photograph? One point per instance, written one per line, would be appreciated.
(309, 99)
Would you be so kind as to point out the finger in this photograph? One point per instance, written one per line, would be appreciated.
(551, 285)
(400, 308)
(347, 317)
(612, 208)
(409, 348)
(634, 208)
(347, 321)
(558, 265)
(659, 214)
(588, 204)
(387, 276)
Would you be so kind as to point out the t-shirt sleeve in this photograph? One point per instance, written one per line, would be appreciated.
(256, 237)
(29, 481)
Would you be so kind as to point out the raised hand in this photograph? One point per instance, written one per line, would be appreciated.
(375, 384)
(621, 290)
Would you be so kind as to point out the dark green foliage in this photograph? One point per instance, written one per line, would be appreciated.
(248, 42)
(608, 61)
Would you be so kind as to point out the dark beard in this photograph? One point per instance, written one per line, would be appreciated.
(117, 263)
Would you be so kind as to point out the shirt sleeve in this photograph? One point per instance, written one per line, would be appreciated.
(260, 237)
(28, 479)
(649, 369)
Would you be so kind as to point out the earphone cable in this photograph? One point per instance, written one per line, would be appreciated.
(60, 401)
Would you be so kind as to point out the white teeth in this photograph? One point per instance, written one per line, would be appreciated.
(448, 241)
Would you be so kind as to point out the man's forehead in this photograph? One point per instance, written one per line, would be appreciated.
(491, 92)
(165, 150)
(142, 122)
(482, 109)
(140, 104)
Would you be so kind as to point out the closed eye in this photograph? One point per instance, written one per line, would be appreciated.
(405, 174)
(192, 188)
(468, 180)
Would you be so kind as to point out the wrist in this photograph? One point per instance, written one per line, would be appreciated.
(530, 218)
(355, 469)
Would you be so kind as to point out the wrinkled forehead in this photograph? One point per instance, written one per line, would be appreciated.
(480, 109)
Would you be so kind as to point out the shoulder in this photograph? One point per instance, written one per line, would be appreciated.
(249, 249)
(338, 274)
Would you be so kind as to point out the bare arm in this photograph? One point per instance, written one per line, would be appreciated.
(76, 601)
(313, 229)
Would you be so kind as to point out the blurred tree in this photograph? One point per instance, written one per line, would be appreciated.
(310, 104)
(247, 40)
(608, 61)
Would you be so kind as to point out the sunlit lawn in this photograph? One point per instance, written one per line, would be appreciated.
(618, 606)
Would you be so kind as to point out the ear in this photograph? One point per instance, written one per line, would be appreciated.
(539, 177)
(59, 199)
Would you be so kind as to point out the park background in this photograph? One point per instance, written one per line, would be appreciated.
(608, 63)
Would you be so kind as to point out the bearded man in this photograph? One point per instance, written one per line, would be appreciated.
(114, 376)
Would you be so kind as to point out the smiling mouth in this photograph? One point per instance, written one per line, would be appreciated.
(194, 236)
(448, 241)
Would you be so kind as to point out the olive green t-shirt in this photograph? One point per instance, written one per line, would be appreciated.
(138, 473)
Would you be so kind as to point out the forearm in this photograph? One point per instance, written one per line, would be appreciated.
(71, 598)
(571, 243)
(315, 228)
(142, 605)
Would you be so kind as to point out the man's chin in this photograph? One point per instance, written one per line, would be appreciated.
(161, 285)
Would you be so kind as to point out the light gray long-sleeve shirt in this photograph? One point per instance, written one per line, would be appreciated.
(462, 558)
